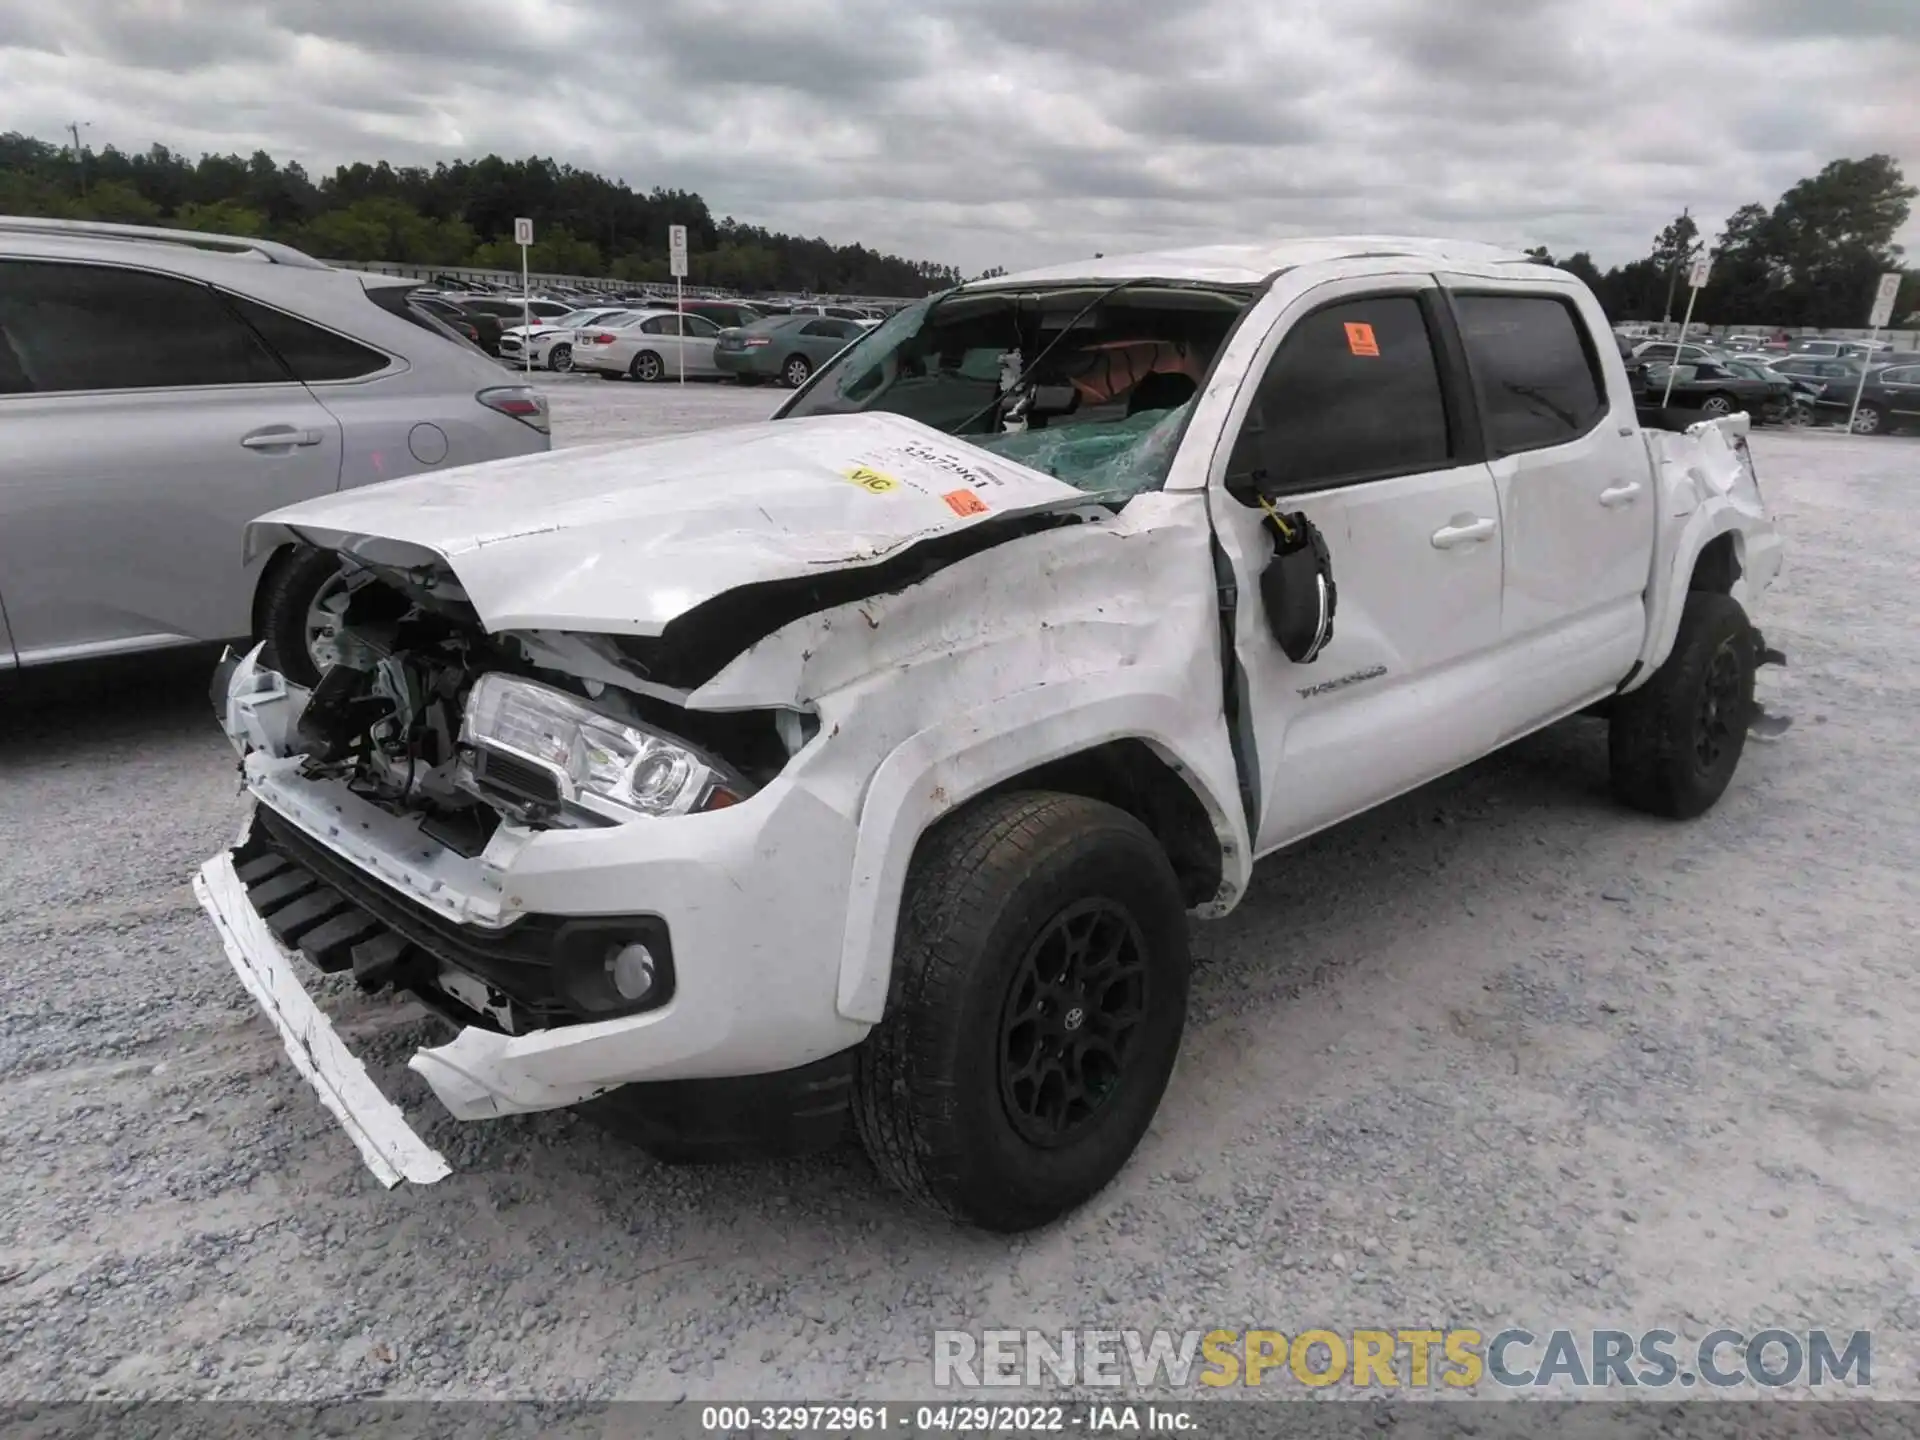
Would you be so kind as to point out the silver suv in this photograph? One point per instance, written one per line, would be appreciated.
(161, 388)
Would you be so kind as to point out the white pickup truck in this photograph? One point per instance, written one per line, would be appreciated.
(860, 769)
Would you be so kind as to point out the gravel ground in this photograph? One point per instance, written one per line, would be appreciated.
(1499, 1053)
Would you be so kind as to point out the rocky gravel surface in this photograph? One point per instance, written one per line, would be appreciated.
(1497, 1054)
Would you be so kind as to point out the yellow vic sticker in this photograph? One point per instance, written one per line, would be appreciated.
(872, 481)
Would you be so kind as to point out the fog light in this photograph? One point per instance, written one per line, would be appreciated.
(631, 970)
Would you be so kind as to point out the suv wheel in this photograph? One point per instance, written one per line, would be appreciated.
(1039, 990)
(297, 619)
(1674, 743)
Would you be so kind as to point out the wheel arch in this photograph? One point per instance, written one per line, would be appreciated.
(1710, 554)
(1144, 753)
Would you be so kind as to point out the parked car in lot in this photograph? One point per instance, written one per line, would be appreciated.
(548, 344)
(491, 315)
(649, 345)
(1712, 389)
(159, 388)
(723, 313)
(1889, 401)
(1653, 352)
(786, 348)
(858, 770)
(1840, 349)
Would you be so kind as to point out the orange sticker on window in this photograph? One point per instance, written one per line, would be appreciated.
(965, 502)
(1360, 339)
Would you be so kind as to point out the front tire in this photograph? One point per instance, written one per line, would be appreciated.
(560, 359)
(300, 632)
(1038, 994)
(1674, 743)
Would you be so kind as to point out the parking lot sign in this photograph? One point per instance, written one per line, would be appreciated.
(677, 250)
(523, 230)
(1883, 300)
(1697, 273)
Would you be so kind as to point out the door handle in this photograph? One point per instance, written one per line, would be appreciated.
(1619, 495)
(279, 438)
(1448, 537)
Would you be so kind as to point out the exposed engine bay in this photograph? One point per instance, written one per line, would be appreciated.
(425, 714)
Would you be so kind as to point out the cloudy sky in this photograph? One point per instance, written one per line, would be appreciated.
(1017, 132)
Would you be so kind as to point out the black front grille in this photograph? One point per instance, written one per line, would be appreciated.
(341, 918)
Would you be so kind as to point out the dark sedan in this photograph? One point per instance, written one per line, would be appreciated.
(1889, 401)
(1710, 388)
(787, 348)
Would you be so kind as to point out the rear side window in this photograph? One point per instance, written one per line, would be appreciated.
(1539, 384)
(1352, 394)
(312, 354)
(97, 327)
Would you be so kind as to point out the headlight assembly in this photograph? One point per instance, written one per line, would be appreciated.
(541, 749)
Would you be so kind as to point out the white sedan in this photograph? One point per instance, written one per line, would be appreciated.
(649, 345)
(549, 343)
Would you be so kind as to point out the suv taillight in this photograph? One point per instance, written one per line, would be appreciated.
(522, 402)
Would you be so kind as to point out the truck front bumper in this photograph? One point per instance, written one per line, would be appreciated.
(749, 945)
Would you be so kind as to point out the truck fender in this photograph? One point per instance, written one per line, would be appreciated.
(1673, 578)
(939, 768)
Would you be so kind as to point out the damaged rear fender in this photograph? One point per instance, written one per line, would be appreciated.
(942, 767)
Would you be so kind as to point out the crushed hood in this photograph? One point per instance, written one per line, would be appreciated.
(621, 539)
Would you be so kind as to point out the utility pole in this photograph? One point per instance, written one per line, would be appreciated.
(1673, 274)
(79, 156)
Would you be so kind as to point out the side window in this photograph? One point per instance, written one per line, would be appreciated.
(1353, 393)
(1539, 385)
(311, 353)
(95, 327)
(701, 326)
(828, 328)
(659, 325)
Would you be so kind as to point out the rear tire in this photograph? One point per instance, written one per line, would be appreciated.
(286, 612)
(796, 372)
(1870, 420)
(647, 367)
(1674, 743)
(1717, 405)
(1038, 993)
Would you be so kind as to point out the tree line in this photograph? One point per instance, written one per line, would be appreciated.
(453, 215)
(1813, 259)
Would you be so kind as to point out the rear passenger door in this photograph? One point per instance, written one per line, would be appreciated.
(1358, 416)
(143, 423)
(1577, 504)
(699, 336)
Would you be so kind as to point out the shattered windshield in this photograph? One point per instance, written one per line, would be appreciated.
(1087, 383)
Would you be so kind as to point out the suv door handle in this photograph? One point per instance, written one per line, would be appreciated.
(1448, 537)
(279, 437)
(1619, 495)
